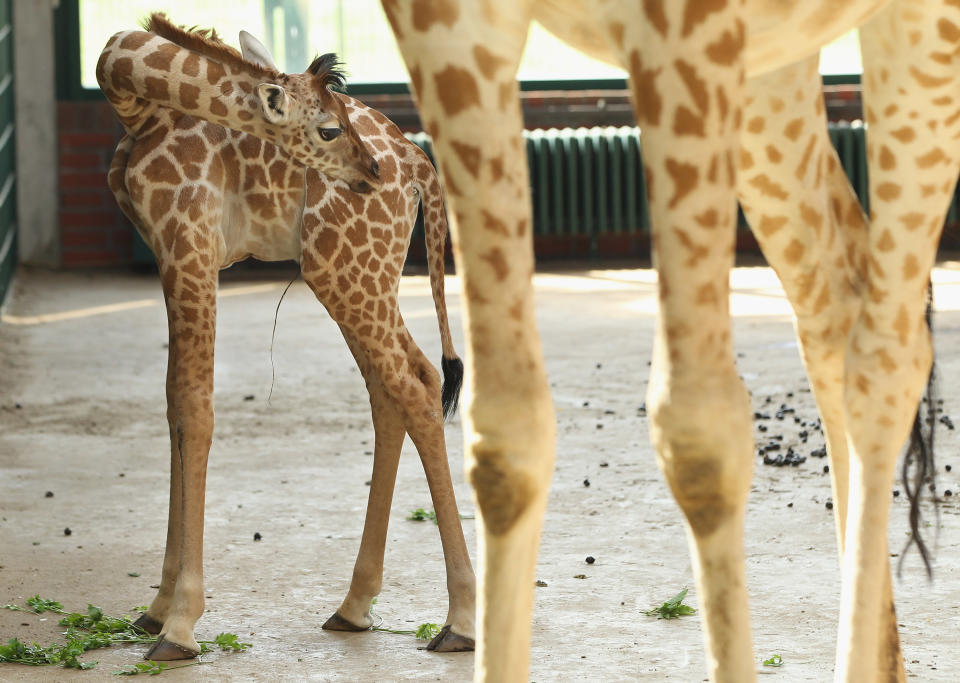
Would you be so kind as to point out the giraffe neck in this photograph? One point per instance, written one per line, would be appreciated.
(139, 71)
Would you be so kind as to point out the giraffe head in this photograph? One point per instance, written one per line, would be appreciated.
(316, 129)
(303, 114)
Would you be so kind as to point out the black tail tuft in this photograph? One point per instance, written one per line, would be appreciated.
(919, 469)
(452, 383)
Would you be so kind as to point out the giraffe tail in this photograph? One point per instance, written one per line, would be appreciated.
(919, 469)
(435, 229)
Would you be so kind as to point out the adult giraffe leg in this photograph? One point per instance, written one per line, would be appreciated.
(686, 76)
(463, 64)
(910, 97)
(812, 231)
(189, 275)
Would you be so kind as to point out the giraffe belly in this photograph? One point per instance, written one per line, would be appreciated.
(780, 32)
(268, 236)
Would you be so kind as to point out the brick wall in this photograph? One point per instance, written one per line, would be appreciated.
(93, 231)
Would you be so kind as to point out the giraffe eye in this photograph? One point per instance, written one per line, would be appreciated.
(329, 134)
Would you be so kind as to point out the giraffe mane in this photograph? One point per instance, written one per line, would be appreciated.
(208, 43)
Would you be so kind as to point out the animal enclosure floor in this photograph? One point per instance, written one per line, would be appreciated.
(82, 415)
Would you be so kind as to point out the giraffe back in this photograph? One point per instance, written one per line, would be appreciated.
(183, 173)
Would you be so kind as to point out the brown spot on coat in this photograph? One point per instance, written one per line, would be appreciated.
(162, 57)
(494, 224)
(948, 30)
(910, 267)
(496, 168)
(161, 170)
(249, 147)
(191, 65)
(794, 252)
(685, 178)
(770, 225)
(811, 217)
(928, 81)
(189, 96)
(498, 262)
(912, 220)
(426, 13)
(326, 243)
(886, 242)
(695, 85)
(647, 98)
(707, 219)
(416, 79)
(931, 158)
(218, 108)
(904, 134)
(469, 155)
(456, 89)
(707, 295)
(726, 49)
(617, 30)
(767, 187)
(134, 41)
(901, 325)
(793, 129)
(376, 212)
(120, 75)
(657, 16)
(887, 159)
(487, 61)
(822, 301)
(215, 72)
(696, 12)
(160, 202)
(888, 191)
(685, 122)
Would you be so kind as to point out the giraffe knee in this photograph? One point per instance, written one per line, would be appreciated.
(503, 492)
(697, 488)
(708, 463)
(427, 375)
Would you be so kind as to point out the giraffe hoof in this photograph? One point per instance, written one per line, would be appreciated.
(148, 624)
(338, 623)
(448, 641)
(164, 651)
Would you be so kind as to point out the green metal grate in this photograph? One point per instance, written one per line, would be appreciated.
(589, 181)
(8, 195)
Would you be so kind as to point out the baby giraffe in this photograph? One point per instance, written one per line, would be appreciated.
(198, 175)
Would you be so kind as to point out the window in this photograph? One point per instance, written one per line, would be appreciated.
(297, 30)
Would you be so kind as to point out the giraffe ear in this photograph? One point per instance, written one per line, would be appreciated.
(256, 52)
(275, 103)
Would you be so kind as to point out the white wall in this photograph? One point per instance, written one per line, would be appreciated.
(38, 198)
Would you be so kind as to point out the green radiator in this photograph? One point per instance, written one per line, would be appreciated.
(589, 181)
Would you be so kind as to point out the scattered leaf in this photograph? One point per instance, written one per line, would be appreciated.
(672, 608)
(421, 515)
(775, 660)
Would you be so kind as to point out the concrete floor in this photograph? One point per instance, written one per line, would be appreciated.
(82, 363)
